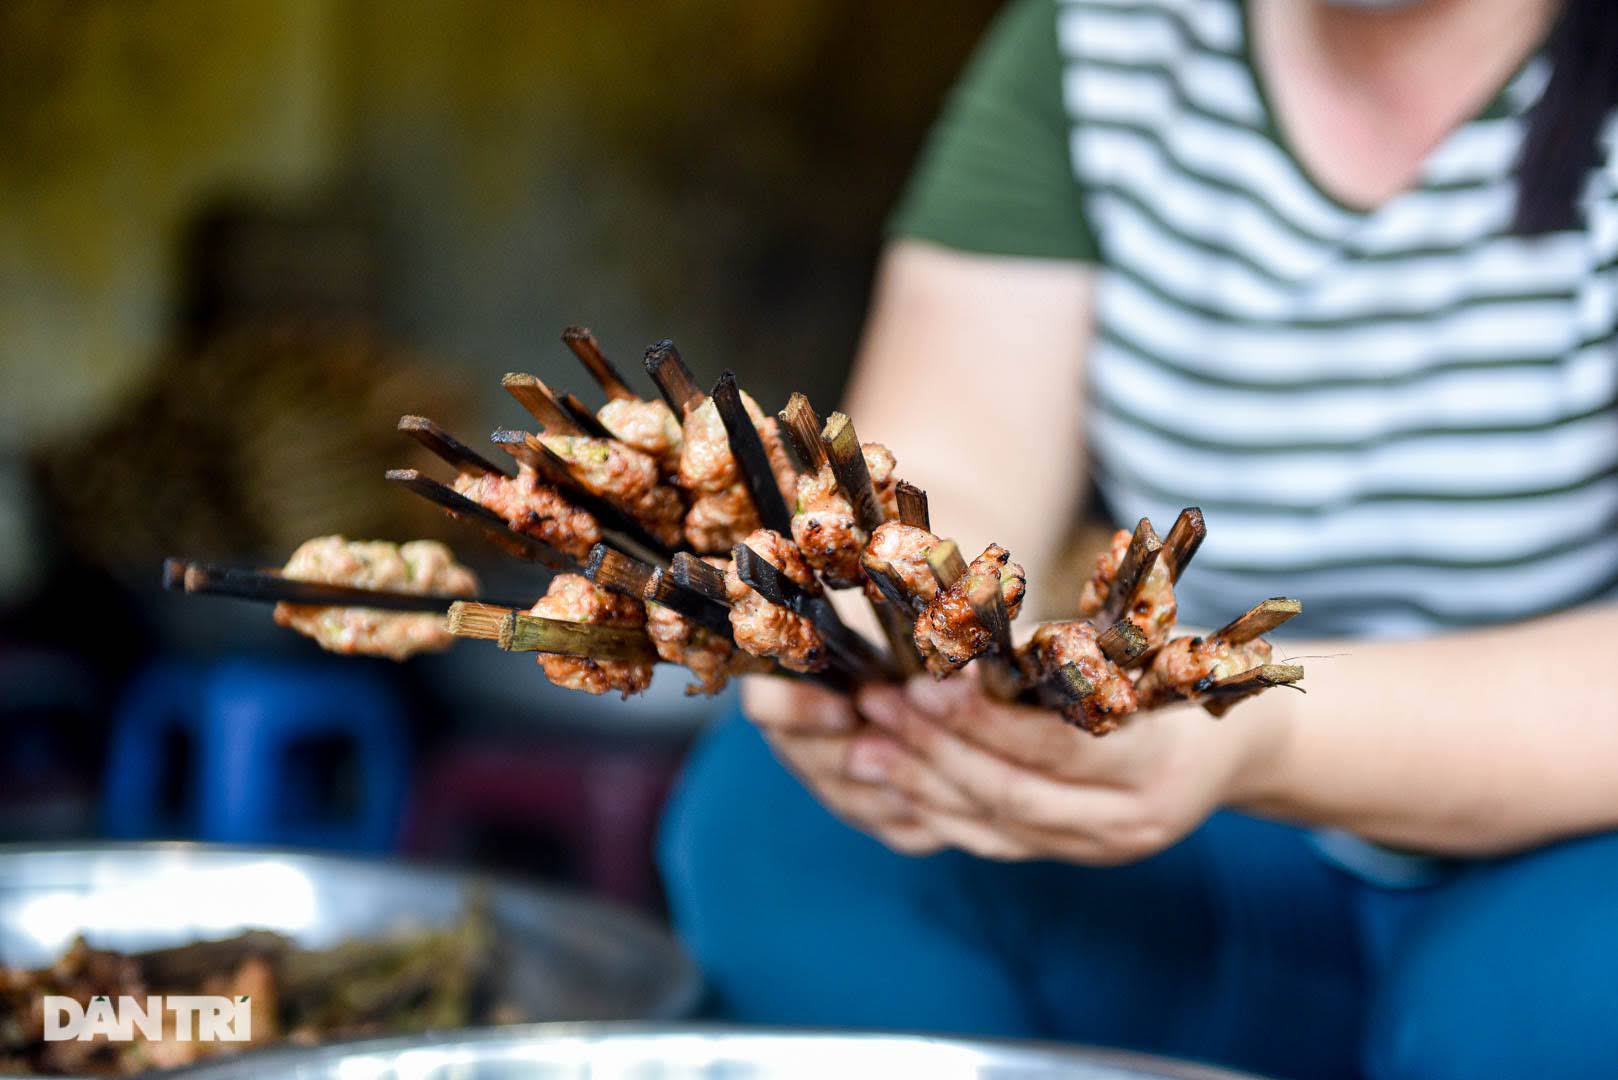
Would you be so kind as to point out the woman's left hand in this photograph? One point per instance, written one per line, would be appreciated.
(1016, 782)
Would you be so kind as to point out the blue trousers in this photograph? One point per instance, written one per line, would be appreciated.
(1238, 946)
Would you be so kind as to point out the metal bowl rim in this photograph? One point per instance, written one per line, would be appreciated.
(1033, 1053)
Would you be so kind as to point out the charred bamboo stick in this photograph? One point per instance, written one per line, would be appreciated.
(1000, 678)
(712, 614)
(533, 395)
(674, 380)
(495, 527)
(581, 414)
(802, 428)
(899, 629)
(583, 344)
(853, 475)
(1133, 571)
(448, 447)
(889, 584)
(271, 587)
(913, 506)
(854, 652)
(1183, 540)
(751, 458)
(612, 569)
(1122, 642)
(691, 573)
(1220, 697)
(1258, 620)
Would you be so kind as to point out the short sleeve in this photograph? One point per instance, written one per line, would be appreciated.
(995, 176)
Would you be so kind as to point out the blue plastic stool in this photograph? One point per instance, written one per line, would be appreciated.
(251, 726)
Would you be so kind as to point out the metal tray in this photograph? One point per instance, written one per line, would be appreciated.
(601, 1051)
(561, 957)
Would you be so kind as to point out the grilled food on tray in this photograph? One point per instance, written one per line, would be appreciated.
(681, 529)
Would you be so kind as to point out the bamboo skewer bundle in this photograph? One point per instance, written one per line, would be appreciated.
(626, 559)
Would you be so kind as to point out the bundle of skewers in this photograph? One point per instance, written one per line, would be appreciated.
(694, 529)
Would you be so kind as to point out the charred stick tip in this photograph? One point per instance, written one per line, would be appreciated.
(540, 402)
(913, 506)
(447, 447)
(583, 344)
(612, 569)
(1133, 570)
(1122, 642)
(690, 572)
(802, 426)
(1183, 540)
(674, 380)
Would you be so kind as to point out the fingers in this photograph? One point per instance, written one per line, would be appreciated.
(1004, 790)
(975, 836)
(821, 763)
(784, 705)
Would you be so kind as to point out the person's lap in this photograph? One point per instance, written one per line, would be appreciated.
(1238, 945)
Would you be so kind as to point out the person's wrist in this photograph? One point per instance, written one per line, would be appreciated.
(1268, 726)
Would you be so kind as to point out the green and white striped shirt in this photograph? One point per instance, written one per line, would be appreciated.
(1406, 416)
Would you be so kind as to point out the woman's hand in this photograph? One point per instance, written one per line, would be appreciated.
(1013, 782)
(813, 730)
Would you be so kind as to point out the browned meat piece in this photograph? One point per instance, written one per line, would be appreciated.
(647, 425)
(1182, 669)
(536, 509)
(578, 599)
(1059, 643)
(1154, 610)
(625, 476)
(824, 525)
(712, 658)
(719, 520)
(948, 633)
(420, 566)
(706, 463)
(905, 548)
(770, 630)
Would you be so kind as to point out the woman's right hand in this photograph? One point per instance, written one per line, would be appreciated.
(813, 731)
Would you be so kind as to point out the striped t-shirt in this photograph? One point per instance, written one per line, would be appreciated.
(1405, 416)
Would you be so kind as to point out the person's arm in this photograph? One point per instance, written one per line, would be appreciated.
(1476, 743)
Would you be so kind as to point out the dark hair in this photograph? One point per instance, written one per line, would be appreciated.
(1564, 126)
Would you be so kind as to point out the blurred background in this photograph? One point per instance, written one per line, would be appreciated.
(239, 239)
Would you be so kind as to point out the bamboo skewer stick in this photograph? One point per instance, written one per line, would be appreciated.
(612, 569)
(583, 344)
(448, 447)
(1000, 678)
(1227, 693)
(853, 476)
(888, 583)
(1133, 571)
(699, 608)
(478, 620)
(533, 395)
(1064, 687)
(802, 428)
(913, 506)
(519, 632)
(674, 380)
(495, 527)
(1183, 540)
(553, 470)
(1258, 620)
(1122, 642)
(945, 561)
(859, 656)
(751, 458)
(694, 575)
(272, 587)
(581, 414)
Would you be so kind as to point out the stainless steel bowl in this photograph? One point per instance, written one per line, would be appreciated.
(602, 1051)
(561, 957)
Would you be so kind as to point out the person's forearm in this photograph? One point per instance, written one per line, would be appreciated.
(1471, 744)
